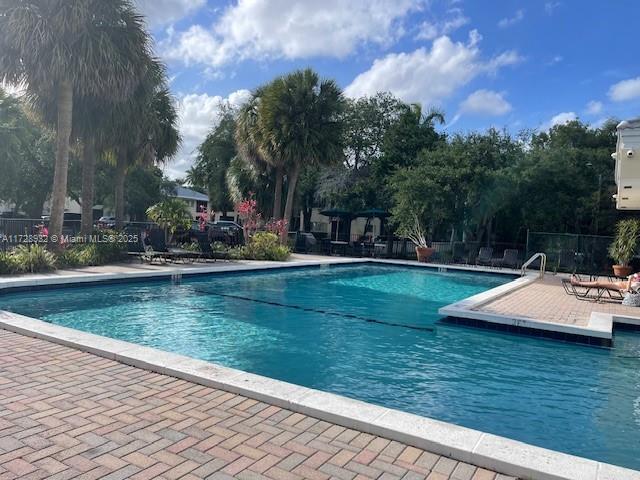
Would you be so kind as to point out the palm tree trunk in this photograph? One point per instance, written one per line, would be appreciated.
(121, 164)
(292, 181)
(277, 197)
(59, 193)
(88, 173)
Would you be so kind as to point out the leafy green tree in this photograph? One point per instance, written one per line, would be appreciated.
(26, 157)
(413, 132)
(214, 157)
(144, 186)
(301, 116)
(66, 49)
(366, 122)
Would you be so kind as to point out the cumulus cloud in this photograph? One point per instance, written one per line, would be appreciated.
(198, 114)
(430, 30)
(485, 102)
(163, 12)
(429, 75)
(509, 21)
(282, 29)
(559, 119)
(625, 90)
(593, 107)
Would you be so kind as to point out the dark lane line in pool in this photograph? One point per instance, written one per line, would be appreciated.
(315, 310)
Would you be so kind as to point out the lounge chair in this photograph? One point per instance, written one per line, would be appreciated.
(509, 259)
(592, 294)
(208, 253)
(485, 256)
(156, 247)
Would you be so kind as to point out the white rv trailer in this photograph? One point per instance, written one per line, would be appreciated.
(627, 157)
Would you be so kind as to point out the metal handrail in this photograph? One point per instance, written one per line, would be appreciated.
(543, 263)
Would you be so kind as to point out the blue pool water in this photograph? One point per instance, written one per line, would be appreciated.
(573, 398)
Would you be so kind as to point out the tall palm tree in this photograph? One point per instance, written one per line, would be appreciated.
(254, 147)
(143, 130)
(67, 48)
(300, 120)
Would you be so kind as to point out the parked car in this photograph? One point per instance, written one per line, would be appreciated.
(107, 222)
(225, 231)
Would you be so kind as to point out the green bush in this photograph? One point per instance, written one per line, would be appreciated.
(70, 258)
(8, 263)
(33, 259)
(262, 246)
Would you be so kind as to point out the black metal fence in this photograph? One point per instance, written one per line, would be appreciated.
(569, 252)
(17, 231)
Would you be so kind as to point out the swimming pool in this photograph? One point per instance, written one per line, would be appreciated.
(371, 332)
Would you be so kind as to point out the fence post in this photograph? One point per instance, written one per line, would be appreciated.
(526, 256)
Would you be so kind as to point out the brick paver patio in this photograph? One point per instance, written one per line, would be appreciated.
(69, 414)
(547, 301)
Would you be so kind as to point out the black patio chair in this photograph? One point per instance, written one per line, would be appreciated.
(510, 259)
(485, 256)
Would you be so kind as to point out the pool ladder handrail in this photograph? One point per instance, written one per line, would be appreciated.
(535, 256)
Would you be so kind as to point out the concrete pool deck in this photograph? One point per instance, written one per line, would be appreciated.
(473, 448)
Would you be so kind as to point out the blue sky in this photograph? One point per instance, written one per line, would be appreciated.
(504, 63)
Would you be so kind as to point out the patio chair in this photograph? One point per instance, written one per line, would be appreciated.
(592, 294)
(485, 256)
(459, 253)
(208, 253)
(509, 259)
(156, 247)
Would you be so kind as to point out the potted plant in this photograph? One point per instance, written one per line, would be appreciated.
(417, 234)
(624, 246)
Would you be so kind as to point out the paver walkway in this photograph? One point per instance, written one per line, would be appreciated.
(69, 414)
(547, 301)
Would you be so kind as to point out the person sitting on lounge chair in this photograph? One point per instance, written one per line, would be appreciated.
(632, 284)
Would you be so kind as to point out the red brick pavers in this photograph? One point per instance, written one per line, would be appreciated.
(68, 414)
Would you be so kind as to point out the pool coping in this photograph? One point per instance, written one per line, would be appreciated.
(460, 443)
(464, 444)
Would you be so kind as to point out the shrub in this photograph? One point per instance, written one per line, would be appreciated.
(33, 259)
(70, 258)
(262, 246)
(8, 263)
(625, 243)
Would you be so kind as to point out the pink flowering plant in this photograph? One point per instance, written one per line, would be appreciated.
(251, 218)
(280, 228)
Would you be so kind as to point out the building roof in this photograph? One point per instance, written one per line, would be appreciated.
(187, 193)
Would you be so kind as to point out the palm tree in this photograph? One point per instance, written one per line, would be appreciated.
(300, 121)
(143, 130)
(65, 49)
(254, 148)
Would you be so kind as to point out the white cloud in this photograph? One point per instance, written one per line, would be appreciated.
(486, 102)
(559, 119)
(258, 29)
(430, 30)
(199, 113)
(509, 21)
(593, 107)
(550, 7)
(625, 90)
(163, 12)
(428, 75)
